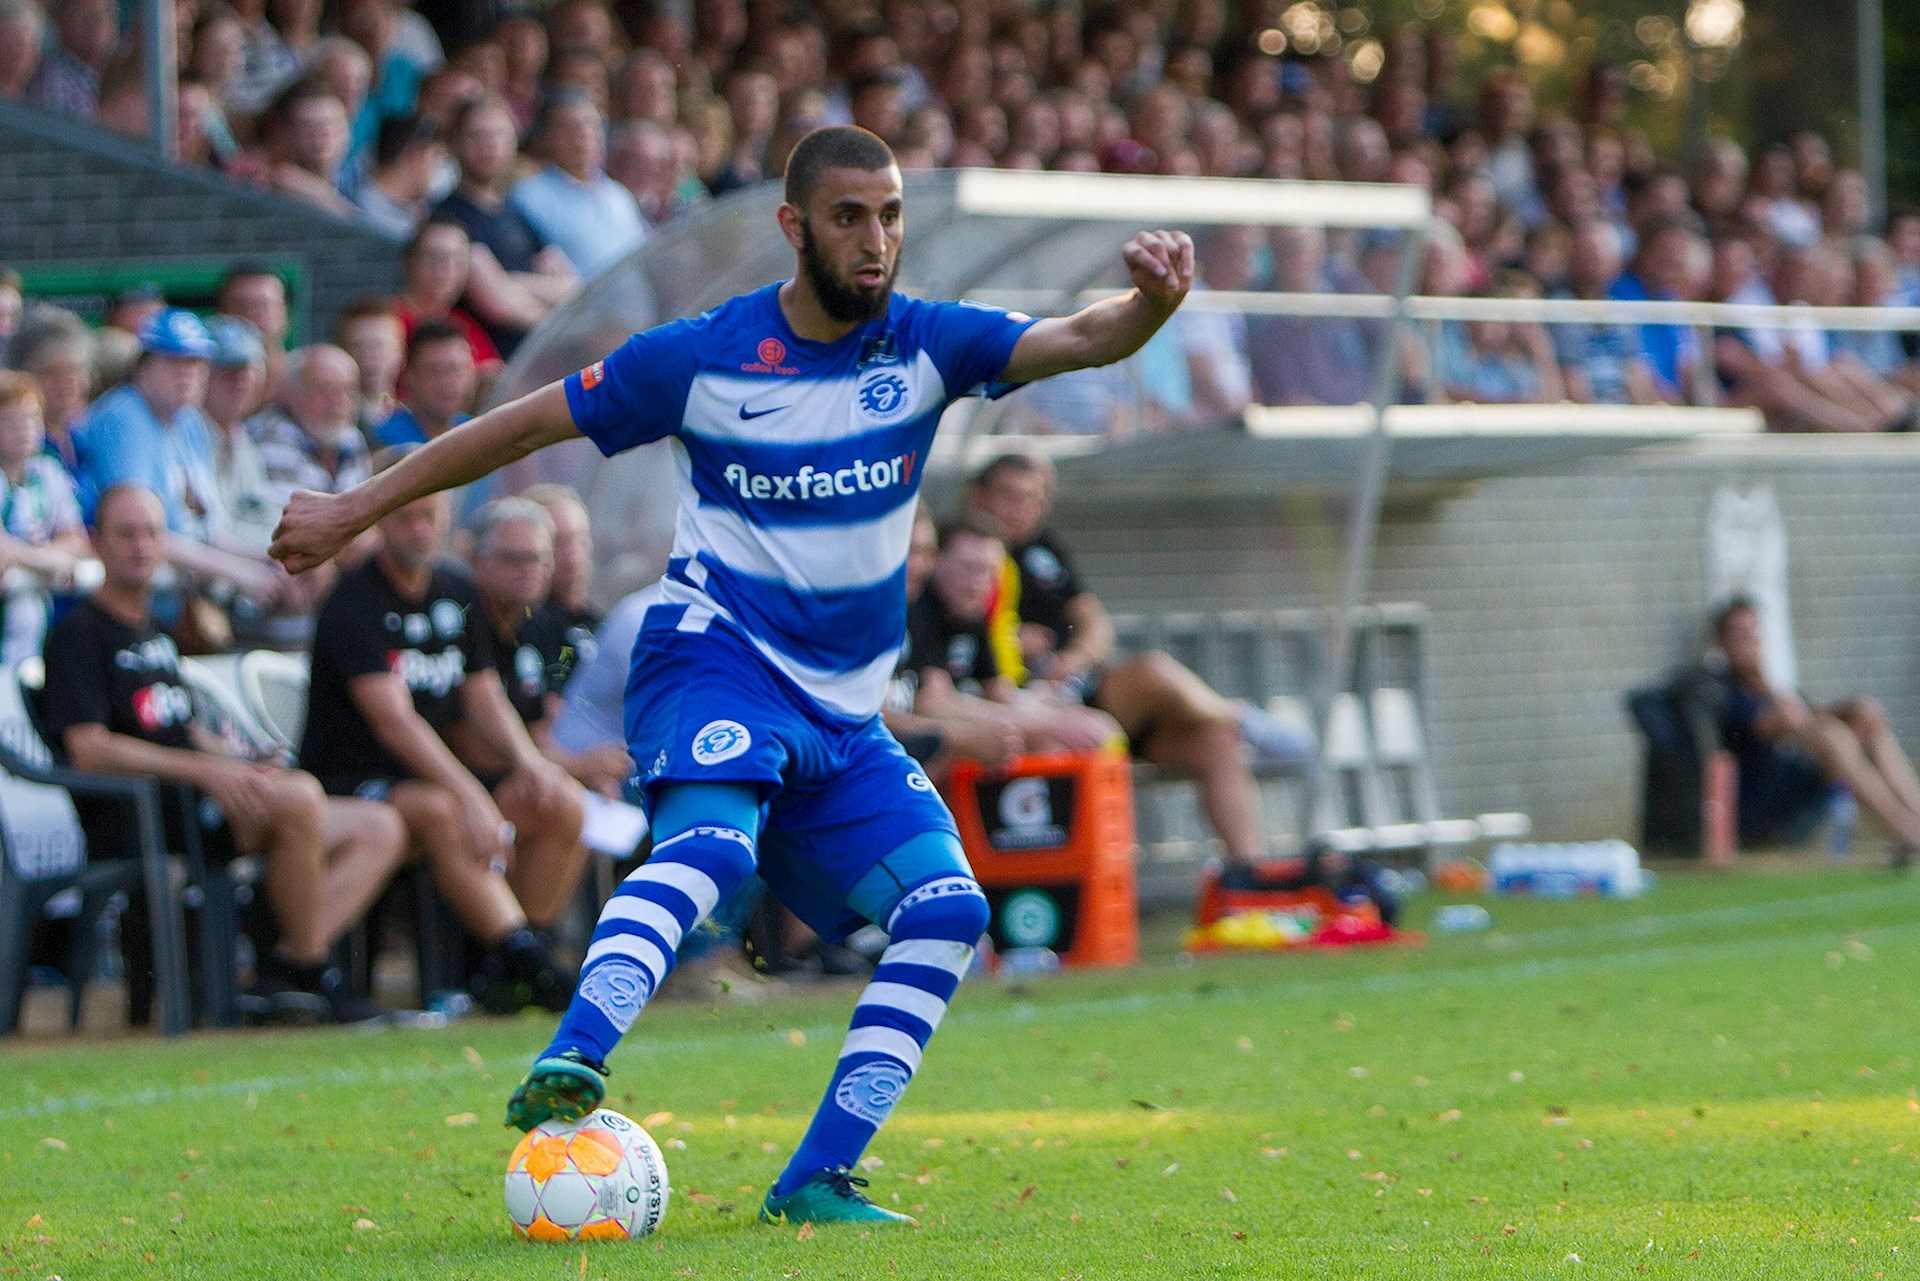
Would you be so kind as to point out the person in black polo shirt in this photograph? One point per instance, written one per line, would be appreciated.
(403, 676)
(114, 703)
(513, 555)
(957, 676)
(1054, 637)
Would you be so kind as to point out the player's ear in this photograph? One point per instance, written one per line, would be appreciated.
(791, 219)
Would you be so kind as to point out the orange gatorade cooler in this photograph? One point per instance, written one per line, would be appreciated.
(1050, 837)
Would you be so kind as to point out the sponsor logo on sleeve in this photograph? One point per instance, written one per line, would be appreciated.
(593, 375)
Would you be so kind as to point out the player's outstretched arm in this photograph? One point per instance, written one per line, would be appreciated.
(315, 526)
(1160, 264)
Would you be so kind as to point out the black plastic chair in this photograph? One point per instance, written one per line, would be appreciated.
(25, 756)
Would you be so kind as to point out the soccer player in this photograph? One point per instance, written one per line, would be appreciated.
(802, 412)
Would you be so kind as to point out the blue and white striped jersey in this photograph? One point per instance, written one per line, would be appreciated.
(799, 467)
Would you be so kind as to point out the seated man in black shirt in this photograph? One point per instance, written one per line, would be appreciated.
(403, 675)
(513, 555)
(934, 740)
(958, 677)
(1054, 633)
(1793, 755)
(114, 703)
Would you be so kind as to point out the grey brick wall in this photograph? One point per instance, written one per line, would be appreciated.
(1551, 595)
(75, 196)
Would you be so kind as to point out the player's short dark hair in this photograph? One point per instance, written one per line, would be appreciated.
(431, 332)
(835, 147)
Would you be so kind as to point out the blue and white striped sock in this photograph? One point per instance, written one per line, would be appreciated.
(934, 929)
(641, 927)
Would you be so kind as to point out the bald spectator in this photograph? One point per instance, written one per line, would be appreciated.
(311, 439)
(69, 77)
(571, 201)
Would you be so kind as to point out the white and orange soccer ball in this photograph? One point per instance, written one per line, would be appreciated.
(600, 1178)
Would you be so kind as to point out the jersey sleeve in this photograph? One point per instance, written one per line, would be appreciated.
(639, 393)
(971, 343)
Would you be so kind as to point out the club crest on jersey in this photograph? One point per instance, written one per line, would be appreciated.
(720, 741)
(884, 396)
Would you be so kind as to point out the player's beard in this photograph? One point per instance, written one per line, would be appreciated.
(846, 303)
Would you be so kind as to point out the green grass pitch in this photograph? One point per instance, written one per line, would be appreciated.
(1715, 1080)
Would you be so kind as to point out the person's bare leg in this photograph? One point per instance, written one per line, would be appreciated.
(1212, 754)
(1868, 721)
(1839, 753)
(548, 856)
(1194, 732)
(290, 839)
(479, 896)
(365, 842)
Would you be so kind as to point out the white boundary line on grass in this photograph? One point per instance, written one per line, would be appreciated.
(1517, 968)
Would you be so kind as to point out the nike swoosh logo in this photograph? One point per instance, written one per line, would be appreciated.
(747, 415)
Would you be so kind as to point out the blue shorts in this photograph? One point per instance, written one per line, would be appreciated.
(837, 795)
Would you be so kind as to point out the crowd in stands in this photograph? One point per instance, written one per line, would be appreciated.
(518, 151)
(559, 136)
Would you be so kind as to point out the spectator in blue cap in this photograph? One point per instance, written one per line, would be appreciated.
(153, 432)
(235, 391)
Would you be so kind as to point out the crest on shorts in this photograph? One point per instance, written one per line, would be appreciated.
(720, 741)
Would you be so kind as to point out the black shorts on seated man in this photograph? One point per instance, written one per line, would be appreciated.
(114, 702)
(404, 676)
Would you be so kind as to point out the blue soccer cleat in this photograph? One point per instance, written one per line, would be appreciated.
(565, 1086)
(831, 1196)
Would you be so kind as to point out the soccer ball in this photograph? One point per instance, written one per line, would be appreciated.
(600, 1178)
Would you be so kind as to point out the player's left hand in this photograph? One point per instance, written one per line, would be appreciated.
(1160, 264)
